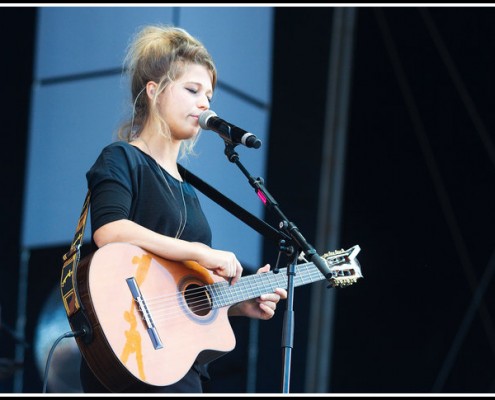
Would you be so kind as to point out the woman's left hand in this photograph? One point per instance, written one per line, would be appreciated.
(262, 307)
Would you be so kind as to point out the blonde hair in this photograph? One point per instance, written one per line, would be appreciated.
(159, 53)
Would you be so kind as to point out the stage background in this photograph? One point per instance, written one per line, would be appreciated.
(417, 191)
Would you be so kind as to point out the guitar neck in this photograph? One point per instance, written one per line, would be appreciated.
(252, 286)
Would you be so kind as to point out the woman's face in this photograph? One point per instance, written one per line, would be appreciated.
(184, 99)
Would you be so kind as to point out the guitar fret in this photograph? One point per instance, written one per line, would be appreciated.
(236, 292)
(215, 294)
(304, 274)
(299, 276)
(264, 288)
(250, 283)
(281, 280)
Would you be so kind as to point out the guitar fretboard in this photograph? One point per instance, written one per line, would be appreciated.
(252, 286)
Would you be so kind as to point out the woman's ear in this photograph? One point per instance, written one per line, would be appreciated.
(151, 88)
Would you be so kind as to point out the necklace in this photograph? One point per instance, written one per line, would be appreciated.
(183, 219)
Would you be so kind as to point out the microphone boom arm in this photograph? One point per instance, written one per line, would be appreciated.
(285, 225)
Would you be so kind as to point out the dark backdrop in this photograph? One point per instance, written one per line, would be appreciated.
(418, 198)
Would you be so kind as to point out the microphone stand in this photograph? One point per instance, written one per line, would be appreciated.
(293, 232)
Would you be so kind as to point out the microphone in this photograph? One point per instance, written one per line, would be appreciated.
(230, 133)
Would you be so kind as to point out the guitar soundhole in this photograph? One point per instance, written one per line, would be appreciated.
(198, 300)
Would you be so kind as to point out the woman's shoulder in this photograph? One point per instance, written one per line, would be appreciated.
(117, 160)
(118, 155)
(117, 146)
(121, 149)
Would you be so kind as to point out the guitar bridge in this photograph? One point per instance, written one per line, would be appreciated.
(152, 332)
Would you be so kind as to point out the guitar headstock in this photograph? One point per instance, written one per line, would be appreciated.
(344, 266)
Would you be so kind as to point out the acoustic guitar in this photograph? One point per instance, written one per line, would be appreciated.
(151, 318)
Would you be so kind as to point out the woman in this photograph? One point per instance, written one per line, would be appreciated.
(138, 195)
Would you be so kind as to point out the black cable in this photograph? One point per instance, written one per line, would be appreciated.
(50, 354)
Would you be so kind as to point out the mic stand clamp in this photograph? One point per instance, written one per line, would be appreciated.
(293, 234)
(283, 248)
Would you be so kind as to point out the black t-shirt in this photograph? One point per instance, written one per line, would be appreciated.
(126, 183)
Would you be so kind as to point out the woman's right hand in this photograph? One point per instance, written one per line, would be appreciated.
(220, 262)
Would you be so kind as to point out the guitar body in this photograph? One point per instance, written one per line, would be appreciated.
(158, 346)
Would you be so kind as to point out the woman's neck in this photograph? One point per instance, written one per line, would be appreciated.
(165, 152)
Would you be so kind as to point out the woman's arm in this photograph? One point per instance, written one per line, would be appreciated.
(221, 263)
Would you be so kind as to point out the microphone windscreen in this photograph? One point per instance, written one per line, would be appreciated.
(204, 116)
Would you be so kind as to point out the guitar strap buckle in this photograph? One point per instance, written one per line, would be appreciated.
(68, 283)
(68, 278)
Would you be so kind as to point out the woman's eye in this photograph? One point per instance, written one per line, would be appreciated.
(196, 91)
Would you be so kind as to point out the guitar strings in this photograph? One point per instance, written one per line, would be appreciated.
(161, 309)
(198, 302)
(204, 303)
(313, 274)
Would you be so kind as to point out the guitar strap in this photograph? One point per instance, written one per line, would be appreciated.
(68, 279)
(245, 216)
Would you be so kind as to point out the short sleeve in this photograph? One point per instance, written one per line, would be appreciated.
(110, 183)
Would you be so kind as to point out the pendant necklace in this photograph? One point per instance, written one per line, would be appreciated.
(183, 219)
